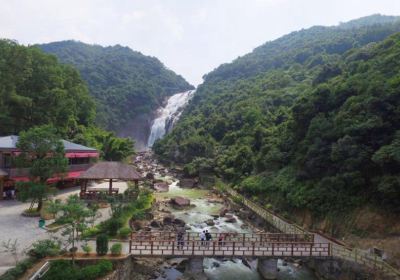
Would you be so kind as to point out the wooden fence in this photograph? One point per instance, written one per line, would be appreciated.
(361, 257)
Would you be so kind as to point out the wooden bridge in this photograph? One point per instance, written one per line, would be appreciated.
(231, 244)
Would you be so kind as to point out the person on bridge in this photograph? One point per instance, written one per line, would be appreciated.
(180, 242)
(202, 237)
(208, 238)
(221, 239)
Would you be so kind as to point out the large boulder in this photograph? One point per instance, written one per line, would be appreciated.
(179, 222)
(168, 220)
(223, 212)
(180, 202)
(188, 182)
(161, 187)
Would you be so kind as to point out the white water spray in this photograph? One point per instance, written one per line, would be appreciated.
(168, 115)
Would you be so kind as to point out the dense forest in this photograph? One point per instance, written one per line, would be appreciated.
(35, 90)
(123, 82)
(308, 121)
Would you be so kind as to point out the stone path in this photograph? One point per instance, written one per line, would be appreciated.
(26, 230)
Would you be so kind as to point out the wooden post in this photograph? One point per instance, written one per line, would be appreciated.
(110, 187)
(292, 249)
(272, 249)
(173, 247)
(151, 247)
(329, 249)
(253, 248)
(213, 248)
(130, 246)
(193, 248)
(233, 249)
(244, 238)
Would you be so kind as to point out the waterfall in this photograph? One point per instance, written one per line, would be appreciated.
(168, 115)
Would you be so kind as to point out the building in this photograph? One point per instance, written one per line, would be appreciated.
(79, 157)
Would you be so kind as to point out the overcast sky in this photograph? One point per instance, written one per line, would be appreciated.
(191, 37)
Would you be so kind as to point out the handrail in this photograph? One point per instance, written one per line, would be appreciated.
(41, 272)
(228, 248)
(338, 250)
(230, 236)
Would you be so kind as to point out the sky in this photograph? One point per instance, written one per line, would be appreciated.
(191, 37)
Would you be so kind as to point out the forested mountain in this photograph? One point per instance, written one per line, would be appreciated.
(124, 82)
(308, 121)
(36, 89)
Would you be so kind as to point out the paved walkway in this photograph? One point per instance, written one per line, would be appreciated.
(15, 226)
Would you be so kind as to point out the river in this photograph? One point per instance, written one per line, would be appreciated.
(206, 210)
(220, 269)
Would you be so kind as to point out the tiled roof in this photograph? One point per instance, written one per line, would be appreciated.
(10, 142)
(111, 170)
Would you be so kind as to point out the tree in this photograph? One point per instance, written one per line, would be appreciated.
(42, 151)
(76, 217)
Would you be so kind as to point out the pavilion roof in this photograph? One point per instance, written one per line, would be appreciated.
(111, 170)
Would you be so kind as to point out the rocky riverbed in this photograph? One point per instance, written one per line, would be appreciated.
(182, 204)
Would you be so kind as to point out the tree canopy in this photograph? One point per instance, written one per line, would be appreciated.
(310, 120)
(123, 82)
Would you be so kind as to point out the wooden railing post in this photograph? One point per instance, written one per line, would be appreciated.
(311, 246)
(173, 247)
(193, 248)
(130, 246)
(233, 249)
(213, 248)
(244, 238)
(272, 249)
(292, 249)
(151, 247)
(254, 244)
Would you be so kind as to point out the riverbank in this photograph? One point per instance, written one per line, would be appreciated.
(207, 210)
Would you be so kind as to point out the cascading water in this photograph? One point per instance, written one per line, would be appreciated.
(168, 115)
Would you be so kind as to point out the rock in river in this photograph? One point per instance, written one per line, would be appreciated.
(180, 201)
(161, 187)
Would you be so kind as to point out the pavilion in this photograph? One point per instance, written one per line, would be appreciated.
(108, 170)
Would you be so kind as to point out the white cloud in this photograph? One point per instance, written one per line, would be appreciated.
(190, 36)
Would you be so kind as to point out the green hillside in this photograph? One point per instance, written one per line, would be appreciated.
(123, 82)
(36, 89)
(310, 120)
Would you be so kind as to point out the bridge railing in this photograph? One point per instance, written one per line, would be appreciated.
(339, 251)
(228, 248)
(231, 236)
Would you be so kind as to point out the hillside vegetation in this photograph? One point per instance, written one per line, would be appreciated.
(123, 82)
(35, 90)
(308, 121)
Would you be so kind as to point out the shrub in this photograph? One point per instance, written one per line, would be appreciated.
(102, 244)
(124, 232)
(90, 232)
(86, 248)
(116, 249)
(17, 271)
(63, 270)
(113, 226)
(44, 248)
(105, 266)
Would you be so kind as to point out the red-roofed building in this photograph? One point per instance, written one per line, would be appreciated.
(80, 158)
